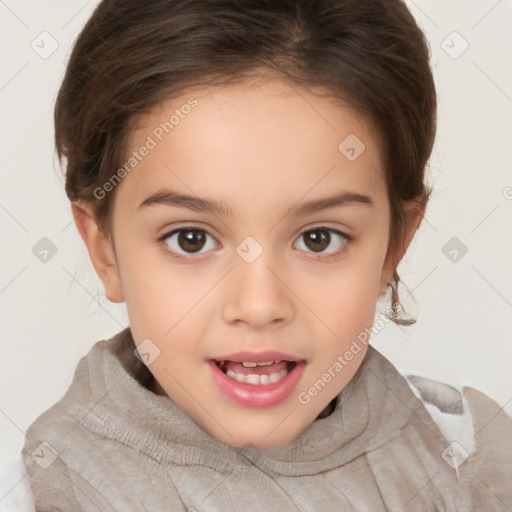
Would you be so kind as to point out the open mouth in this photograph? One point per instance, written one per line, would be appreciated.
(248, 383)
(256, 374)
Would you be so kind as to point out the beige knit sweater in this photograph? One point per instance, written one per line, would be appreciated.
(112, 444)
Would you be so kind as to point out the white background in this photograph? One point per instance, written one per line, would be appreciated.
(52, 313)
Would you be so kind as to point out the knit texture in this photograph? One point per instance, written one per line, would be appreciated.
(112, 444)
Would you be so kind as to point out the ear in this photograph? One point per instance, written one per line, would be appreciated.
(100, 250)
(414, 213)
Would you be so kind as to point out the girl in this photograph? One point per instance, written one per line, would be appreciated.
(247, 176)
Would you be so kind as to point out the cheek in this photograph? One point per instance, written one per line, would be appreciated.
(350, 311)
(348, 290)
(169, 309)
(345, 300)
(161, 297)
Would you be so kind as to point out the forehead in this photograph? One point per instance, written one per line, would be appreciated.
(270, 138)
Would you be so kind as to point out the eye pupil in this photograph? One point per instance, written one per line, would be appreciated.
(191, 240)
(320, 239)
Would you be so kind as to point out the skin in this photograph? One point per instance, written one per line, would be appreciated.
(260, 149)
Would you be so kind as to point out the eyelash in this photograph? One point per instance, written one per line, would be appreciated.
(325, 257)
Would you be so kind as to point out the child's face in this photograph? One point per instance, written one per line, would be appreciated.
(254, 280)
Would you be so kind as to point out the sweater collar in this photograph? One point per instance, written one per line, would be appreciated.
(371, 410)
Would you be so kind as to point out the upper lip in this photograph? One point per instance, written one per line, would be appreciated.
(257, 357)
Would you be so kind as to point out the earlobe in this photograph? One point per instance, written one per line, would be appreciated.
(100, 250)
(414, 216)
(386, 274)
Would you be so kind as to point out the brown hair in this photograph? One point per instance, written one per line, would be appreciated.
(133, 54)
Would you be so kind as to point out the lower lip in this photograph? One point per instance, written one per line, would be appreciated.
(262, 395)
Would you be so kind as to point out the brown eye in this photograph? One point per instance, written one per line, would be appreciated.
(188, 241)
(191, 241)
(317, 240)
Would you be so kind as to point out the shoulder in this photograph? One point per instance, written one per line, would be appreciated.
(460, 412)
(448, 407)
(478, 434)
(71, 467)
(59, 453)
(23, 489)
(45, 455)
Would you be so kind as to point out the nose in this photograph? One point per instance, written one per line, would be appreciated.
(257, 294)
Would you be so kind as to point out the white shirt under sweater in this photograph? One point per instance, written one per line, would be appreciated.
(112, 444)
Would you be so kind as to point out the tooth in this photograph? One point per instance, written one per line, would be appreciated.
(266, 363)
(249, 365)
(274, 377)
(237, 376)
(252, 379)
(257, 379)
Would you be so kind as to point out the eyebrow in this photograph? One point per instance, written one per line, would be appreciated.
(203, 205)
